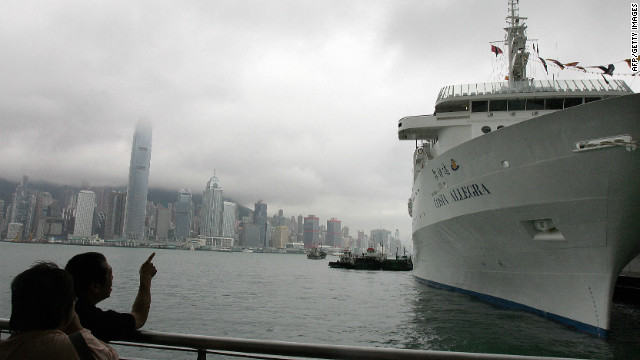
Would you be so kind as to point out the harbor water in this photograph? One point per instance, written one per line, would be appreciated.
(290, 298)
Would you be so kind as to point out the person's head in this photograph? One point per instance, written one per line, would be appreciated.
(41, 298)
(91, 274)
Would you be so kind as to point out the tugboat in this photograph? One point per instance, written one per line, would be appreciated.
(316, 254)
(400, 263)
(346, 261)
(371, 260)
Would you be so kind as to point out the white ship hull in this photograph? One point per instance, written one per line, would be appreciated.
(476, 207)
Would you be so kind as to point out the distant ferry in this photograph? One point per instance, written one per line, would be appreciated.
(316, 254)
(526, 192)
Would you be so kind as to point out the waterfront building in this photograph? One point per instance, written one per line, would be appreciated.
(260, 219)
(293, 226)
(50, 227)
(183, 214)
(14, 231)
(280, 236)
(135, 210)
(380, 238)
(216, 242)
(363, 240)
(163, 221)
(102, 198)
(300, 224)
(229, 219)
(251, 236)
(278, 219)
(311, 230)
(334, 232)
(23, 209)
(43, 200)
(212, 208)
(84, 213)
(2, 218)
(114, 222)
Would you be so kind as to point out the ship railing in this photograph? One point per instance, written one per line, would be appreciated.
(202, 346)
(600, 86)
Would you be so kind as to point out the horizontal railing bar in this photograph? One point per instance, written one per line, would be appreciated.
(184, 349)
(303, 350)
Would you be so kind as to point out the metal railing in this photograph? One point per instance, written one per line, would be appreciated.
(595, 86)
(264, 349)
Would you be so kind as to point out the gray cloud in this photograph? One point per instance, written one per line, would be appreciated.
(292, 102)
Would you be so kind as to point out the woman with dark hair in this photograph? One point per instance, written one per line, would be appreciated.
(43, 322)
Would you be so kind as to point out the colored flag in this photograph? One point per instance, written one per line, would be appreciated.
(496, 50)
(544, 63)
(557, 63)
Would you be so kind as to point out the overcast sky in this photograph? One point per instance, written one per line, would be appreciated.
(292, 102)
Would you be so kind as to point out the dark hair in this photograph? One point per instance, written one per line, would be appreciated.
(85, 269)
(41, 298)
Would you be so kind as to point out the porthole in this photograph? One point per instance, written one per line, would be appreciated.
(500, 127)
(486, 129)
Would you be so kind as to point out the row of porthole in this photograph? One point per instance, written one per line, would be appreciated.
(487, 129)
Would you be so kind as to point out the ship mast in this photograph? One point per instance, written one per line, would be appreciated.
(516, 40)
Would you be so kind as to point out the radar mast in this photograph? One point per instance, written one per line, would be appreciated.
(516, 40)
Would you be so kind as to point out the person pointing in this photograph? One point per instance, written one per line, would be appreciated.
(93, 278)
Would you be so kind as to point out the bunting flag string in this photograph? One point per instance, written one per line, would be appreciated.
(604, 69)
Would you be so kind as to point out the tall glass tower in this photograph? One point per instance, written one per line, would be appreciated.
(84, 213)
(230, 217)
(135, 211)
(183, 215)
(212, 208)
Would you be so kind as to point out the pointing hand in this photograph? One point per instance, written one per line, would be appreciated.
(147, 270)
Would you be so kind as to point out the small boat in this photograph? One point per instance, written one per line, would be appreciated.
(346, 261)
(316, 254)
(400, 263)
(371, 260)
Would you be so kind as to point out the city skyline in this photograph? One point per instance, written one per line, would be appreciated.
(293, 103)
(98, 213)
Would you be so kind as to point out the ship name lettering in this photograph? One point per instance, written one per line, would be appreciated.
(440, 201)
(469, 191)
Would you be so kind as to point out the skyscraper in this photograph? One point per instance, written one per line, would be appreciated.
(23, 208)
(280, 236)
(334, 232)
(230, 217)
(260, 219)
(311, 230)
(114, 223)
(380, 237)
(183, 214)
(163, 219)
(84, 213)
(212, 208)
(135, 212)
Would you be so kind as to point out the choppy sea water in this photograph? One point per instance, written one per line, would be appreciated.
(290, 298)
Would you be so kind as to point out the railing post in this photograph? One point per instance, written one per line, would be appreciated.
(202, 354)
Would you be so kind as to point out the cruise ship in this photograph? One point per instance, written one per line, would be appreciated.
(526, 192)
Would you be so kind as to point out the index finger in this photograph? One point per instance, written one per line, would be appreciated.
(151, 257)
